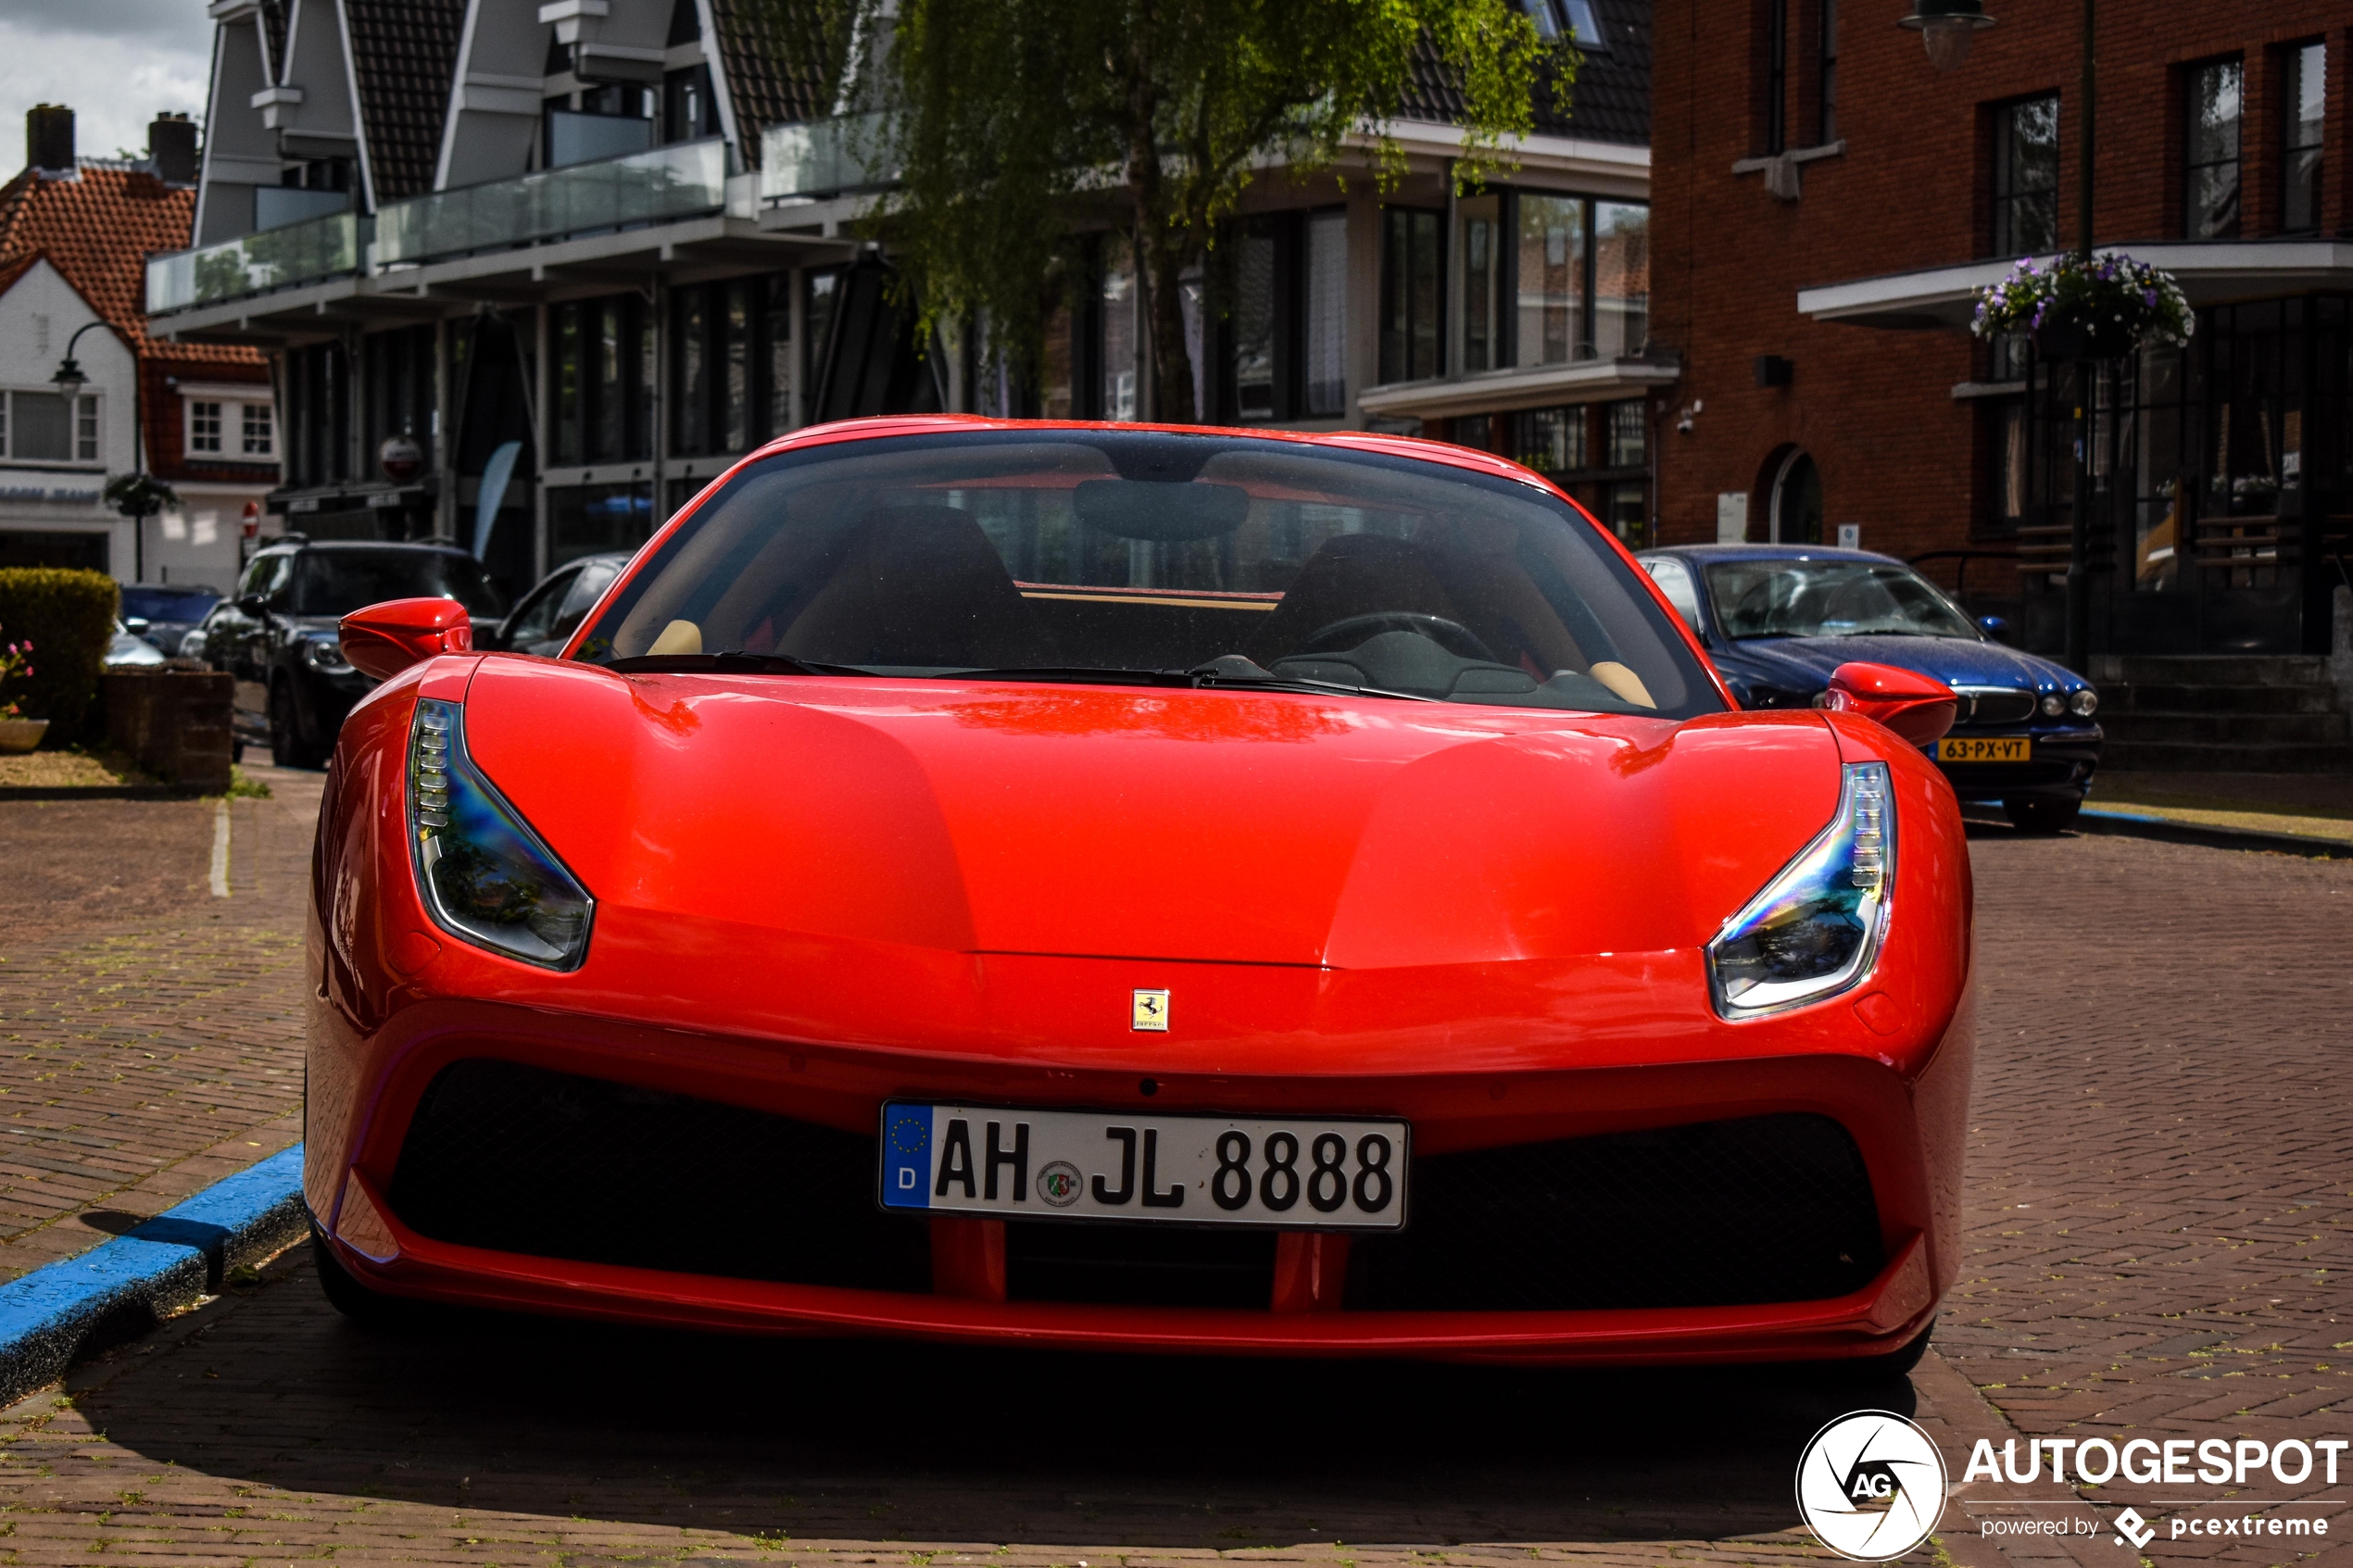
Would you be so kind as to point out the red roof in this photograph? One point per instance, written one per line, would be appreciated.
(97, 231)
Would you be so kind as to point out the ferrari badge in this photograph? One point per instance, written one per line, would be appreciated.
(1151, 1010)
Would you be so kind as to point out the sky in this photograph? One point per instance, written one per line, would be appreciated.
(116, 63)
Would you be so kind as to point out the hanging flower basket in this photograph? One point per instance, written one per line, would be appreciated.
(2079, 308)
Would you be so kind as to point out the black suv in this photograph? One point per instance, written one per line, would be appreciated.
(278, 635)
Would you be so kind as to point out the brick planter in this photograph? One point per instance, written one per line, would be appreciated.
(175, 724)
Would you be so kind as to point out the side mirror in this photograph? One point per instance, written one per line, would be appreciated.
(254, 605)
(1919, 708)
(382, 640)
(1994, 626)
(136, 625)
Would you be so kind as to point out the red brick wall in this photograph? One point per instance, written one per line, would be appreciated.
(1897, 452)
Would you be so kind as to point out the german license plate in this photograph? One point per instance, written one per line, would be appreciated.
(1990, 749)
(1298, 1173)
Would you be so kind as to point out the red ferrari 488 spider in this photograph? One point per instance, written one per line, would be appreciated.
(1145, 889)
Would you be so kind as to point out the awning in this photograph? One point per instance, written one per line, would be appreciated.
(2210, 272)
(1582, 381)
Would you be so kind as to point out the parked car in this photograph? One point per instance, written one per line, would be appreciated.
(278, 635)
(128, 651)
(1778, 618)
(1185, 891)
(545, 619)
(164, 613)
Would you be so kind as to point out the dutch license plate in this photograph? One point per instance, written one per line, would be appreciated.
(1991, 749)
(1298, 1173)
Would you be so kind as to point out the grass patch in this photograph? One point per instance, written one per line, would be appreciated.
(73, 767)
(242, 787)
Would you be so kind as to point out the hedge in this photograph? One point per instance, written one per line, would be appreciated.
(69, 617)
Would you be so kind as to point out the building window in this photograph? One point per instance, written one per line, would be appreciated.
(43, 427)
(260, 431)
(820, 291)
(1482, 253)
(730, 343)
(1551, 280)
(1627, 429)
(1572, 20)
(603, 379)
(1409, 314)
(1551, 441)
(598, 122)
(1258, 328)
(203, 426)
(2303, 95)
(2211, 152)
(1776, 76)
(2026, 176)
(1621, 288)
(1327, 314)
(1120, 338)
(1826, 79)
(690, 111)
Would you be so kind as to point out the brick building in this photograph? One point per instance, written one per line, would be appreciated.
(1826, 201)
(74, 236)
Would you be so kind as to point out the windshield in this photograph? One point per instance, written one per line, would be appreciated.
(167, 604)
(1102, 554)
(1830, 598)
(338, 582)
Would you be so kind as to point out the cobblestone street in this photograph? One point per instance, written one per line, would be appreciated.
(2162, 1170)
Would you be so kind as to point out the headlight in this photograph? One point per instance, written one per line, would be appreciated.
(2085, 702)
(483, 874)
(1815, 928)
(2053, 704)
(325, 655)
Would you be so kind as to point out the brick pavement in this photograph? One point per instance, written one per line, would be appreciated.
(2155, 1089)
(149, 1033)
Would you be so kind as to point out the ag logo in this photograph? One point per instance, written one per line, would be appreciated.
(1060, 1184)
(1870, 1486)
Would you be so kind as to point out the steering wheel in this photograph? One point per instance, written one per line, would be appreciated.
(1452, 635)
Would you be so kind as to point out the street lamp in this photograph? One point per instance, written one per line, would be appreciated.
(70, 381)
(1947, 28)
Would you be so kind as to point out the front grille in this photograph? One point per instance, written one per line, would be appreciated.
(1138, 1265)
(1995, 708)
(551, 1164)
(1715, 1214)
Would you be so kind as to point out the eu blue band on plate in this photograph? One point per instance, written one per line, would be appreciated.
(907, 1157)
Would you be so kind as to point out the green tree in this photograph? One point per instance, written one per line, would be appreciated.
(1014, 122)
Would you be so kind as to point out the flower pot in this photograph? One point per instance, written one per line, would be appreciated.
(21, 734)
(2057, 341)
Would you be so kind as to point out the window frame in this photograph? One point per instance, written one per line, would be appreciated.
(85, 428)
(2293, 58)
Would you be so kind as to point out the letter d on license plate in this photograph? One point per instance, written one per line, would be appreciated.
(1297, 1172)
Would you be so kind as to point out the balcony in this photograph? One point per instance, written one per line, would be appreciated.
(629, 192)
(823, 158)
(307, 252)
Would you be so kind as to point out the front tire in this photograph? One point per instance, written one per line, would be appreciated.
(2041, 813)
(369, 1309)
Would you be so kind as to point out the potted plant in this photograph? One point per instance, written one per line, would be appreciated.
(16, 731)
(2079, 306)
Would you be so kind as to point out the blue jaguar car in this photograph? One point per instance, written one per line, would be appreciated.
(1778, 618)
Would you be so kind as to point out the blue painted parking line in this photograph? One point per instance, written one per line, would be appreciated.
(124, 1287)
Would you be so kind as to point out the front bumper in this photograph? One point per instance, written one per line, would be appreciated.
(684, 1238)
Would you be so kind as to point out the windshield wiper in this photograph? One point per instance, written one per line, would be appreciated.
(1203, 677)
(733, 661)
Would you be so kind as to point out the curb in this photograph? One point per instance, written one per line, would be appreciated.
(63, 1310)
(2139, 825)
(2135, 825)
(100, 792)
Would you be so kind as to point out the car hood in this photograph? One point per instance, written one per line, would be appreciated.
(1120, 822)
(1805, 664)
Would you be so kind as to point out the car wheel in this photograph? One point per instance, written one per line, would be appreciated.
(369, 1309)
(286, 747)
(2041, 813)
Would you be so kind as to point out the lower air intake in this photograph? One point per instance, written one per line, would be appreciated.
(1715, 1214)
(551, 1164)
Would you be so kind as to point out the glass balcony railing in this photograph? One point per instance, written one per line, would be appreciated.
(300, 253)
(583, 198)
(823, 158)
